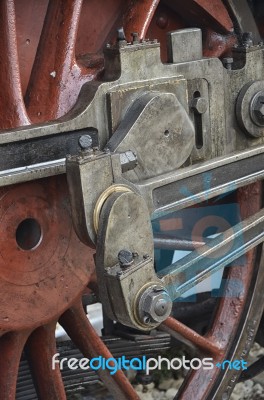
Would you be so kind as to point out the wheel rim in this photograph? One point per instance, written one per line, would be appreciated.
(52, 89)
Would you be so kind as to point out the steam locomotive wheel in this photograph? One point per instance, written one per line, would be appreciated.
(44, 268)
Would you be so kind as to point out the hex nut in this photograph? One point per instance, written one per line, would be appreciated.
(155, 305)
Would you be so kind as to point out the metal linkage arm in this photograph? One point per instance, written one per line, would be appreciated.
(191, 185)
(218, 253)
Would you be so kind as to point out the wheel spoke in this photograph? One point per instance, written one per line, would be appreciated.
(133, 21)
(51, 90)
(11, 99)
(11, 346)
(183, 333)
(40, 348)
(76, 324)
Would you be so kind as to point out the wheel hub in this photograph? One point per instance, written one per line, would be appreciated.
(41, 264)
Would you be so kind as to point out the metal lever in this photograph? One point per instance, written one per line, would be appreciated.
(216, 254)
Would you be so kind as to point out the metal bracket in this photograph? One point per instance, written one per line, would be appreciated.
(124, 263)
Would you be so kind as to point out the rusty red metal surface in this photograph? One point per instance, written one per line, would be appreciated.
(218, 45)
(182, 332)
(58, 59)
(56, 77)
(38, 284)
(40, 348)
(138, 16)
(29, 23)
(13, 111)
(82, 333)
(205, 13)
(11, 347)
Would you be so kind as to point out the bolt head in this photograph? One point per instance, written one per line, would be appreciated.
(125, 258)
(199, 105)
(155, 305)
(160, 306)
(85, 142)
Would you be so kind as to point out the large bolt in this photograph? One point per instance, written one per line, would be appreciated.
(160, 307)
(154, 305)
(257, 109)
(199, 105)
(125, 258)
(85, 142)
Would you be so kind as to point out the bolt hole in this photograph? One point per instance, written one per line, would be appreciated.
(28, 234)
(166, 133)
